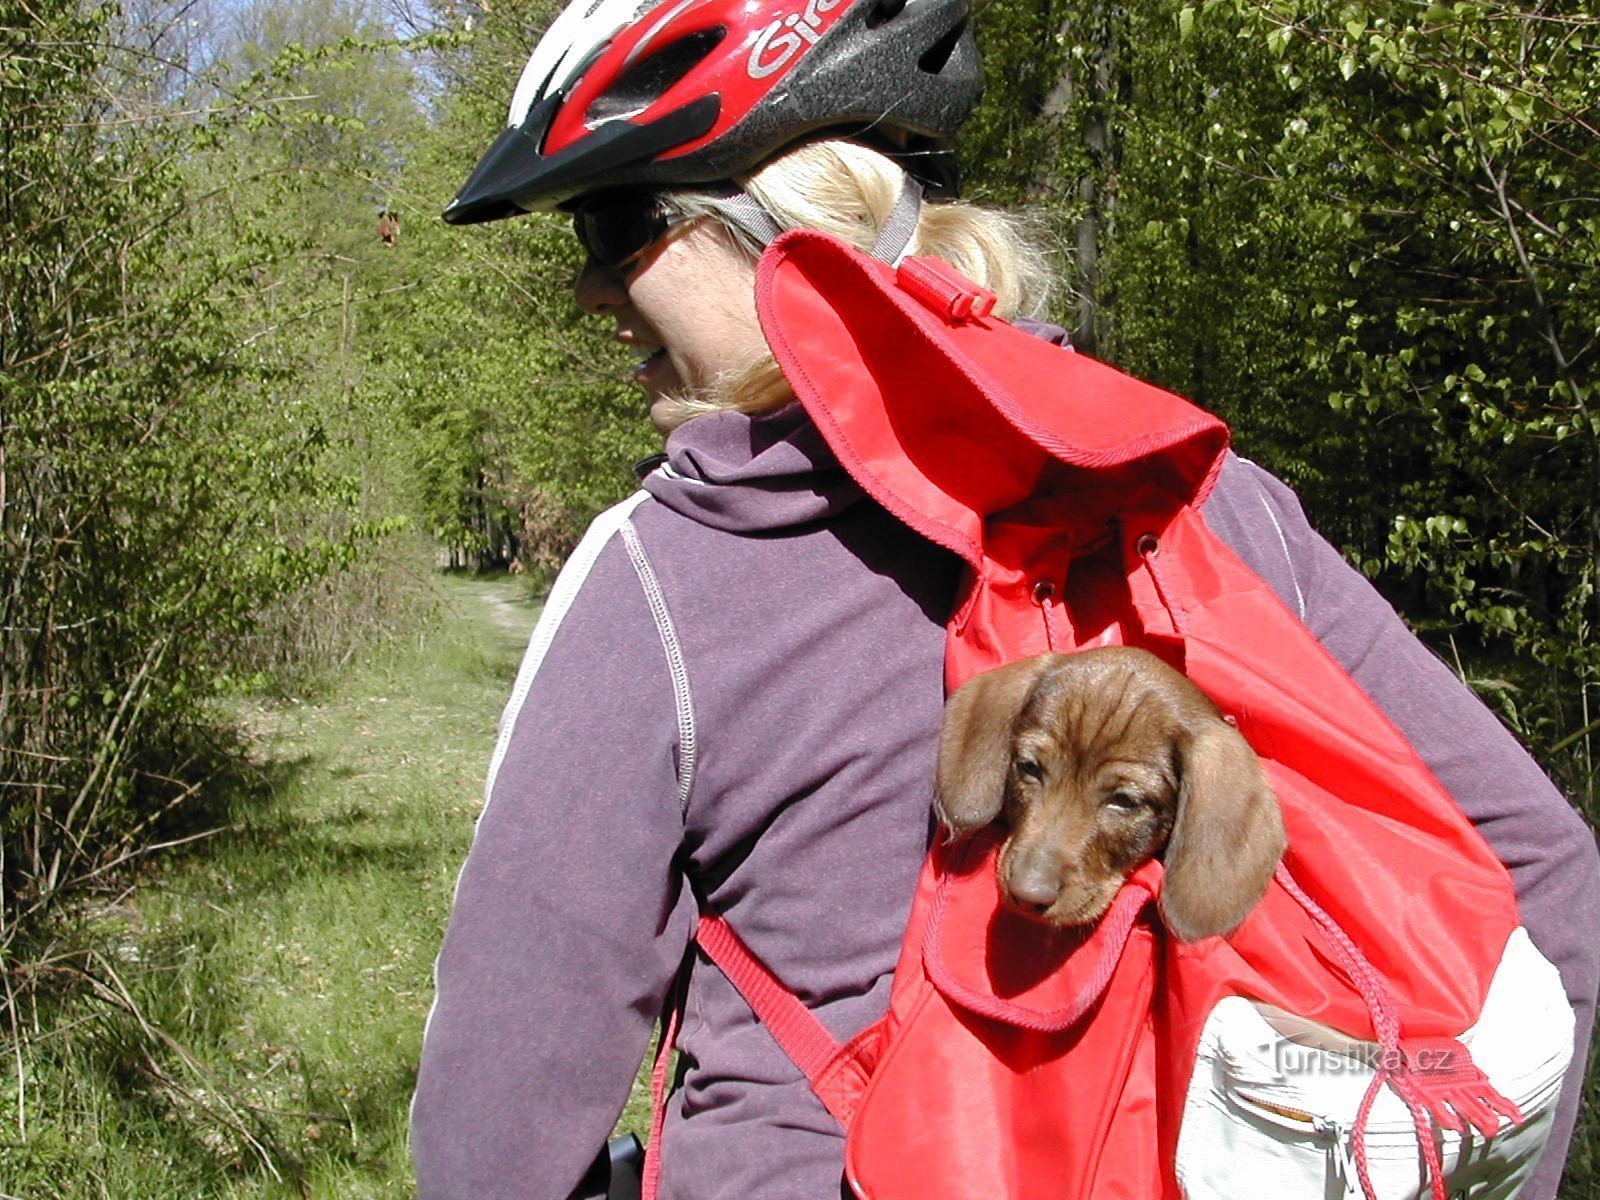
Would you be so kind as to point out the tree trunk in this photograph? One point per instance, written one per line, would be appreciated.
(1085, 96)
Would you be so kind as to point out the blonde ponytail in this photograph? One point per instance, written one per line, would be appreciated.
(848, 190)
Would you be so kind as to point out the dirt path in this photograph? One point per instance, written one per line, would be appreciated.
(505, 601)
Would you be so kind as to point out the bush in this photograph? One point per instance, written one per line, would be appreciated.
(157, 491)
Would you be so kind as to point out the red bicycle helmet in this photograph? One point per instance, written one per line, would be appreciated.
(621, 93)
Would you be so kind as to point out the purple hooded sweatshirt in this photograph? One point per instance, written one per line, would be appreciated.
(734, 695)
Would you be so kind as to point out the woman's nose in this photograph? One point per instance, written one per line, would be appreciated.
(599, 289)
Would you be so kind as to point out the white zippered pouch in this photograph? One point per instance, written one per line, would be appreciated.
(1273, 1099)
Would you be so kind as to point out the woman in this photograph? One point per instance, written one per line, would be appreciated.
(735, 691)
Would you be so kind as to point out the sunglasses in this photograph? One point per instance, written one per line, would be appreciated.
(616, 227)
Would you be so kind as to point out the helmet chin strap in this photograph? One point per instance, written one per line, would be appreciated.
(893, 238)
(901, 226)
(742, 211)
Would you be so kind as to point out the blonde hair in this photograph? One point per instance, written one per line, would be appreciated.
(848, 190)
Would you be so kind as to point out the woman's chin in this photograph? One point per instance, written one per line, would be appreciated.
(666, 413)
(660, 385)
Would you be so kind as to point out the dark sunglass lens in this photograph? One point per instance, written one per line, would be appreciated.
(616, 228)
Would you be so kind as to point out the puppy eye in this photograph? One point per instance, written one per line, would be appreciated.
(1123, 802)
(1029, 769)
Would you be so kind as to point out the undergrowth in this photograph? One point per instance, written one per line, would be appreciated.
(246, 1020)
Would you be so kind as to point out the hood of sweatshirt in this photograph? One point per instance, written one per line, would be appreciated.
(752, 474)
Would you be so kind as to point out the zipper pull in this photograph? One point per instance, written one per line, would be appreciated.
(1339, 1154)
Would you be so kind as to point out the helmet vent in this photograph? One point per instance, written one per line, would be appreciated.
(646, 81)
(884, 10)
(935, 57)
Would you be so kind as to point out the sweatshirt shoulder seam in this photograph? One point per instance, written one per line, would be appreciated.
(677, 669)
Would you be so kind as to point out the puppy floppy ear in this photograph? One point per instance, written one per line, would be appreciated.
(975, 742)
(1227, 838)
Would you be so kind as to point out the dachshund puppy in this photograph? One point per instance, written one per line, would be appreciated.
(1097, 761)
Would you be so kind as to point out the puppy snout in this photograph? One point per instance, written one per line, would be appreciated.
(1033, 881)
(1034, 892)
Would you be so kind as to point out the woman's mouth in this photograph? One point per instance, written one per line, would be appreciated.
(650, 366)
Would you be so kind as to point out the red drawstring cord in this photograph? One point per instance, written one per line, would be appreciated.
(1148, 548)
(1044, 595)
(1391, 1061)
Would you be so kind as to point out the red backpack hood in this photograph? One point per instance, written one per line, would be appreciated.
(847, 336)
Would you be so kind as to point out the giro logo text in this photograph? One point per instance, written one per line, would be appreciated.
(780, 41)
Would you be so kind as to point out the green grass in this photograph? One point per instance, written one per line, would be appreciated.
(255, 1004)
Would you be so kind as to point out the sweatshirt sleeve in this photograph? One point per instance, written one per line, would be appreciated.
(1546, 846)
(570, 918)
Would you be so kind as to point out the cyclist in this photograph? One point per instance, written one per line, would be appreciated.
(735, 690)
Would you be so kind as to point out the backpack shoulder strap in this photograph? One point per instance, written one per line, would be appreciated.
(793, 1026)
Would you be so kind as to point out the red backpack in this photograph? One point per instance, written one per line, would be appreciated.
(1018, 1064)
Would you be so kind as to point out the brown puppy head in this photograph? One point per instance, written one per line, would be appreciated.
(1098, 761)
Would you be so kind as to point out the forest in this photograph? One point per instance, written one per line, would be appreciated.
(256, 398)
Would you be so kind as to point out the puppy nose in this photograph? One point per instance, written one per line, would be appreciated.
(1034, 888)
